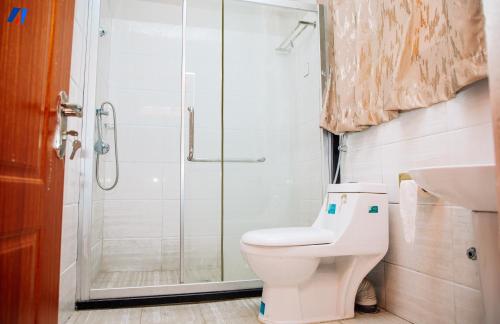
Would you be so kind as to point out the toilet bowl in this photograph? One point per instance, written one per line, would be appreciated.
(311, 274)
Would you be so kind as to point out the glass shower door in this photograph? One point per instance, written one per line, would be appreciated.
(161, 224)
(134, 234)
(271, 109)
(201, 193)
(217, 134)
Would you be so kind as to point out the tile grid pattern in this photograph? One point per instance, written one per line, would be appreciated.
(137, 223)
(141, 215)
(426, 276)
(243, 311)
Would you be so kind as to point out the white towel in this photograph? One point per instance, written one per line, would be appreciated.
(408, 191)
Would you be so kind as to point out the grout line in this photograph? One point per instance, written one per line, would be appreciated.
(412, 138)
(453, 283)
(396, 315)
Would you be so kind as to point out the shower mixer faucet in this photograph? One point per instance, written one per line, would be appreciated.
(101, 112)
(100, 147)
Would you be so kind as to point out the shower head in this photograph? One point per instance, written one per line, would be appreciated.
(288, 44)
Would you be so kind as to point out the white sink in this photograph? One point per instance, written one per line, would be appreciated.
(473, 187)
(469, 186)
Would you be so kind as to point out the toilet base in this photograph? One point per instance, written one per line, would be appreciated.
(327, 296)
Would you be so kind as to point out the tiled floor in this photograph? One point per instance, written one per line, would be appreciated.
(120, 279)
(240, 311)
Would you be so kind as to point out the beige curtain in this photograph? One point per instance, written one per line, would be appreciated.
(391, 55)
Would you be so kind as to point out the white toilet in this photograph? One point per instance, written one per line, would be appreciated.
(311, 274)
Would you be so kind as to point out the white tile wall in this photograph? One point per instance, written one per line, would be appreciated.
(271, 109)
(465, 271)
(132, 219)
(418, 298)
(131, 255)
(468, 305)
(138, 180)
(141, 215)
(171, 218)
(146, 144)
(69, 236)
(97, 218)
(67, 291)
(170, 253)
(202, 252)
(67, 288)
(96, 259)
(431, 250)
(97, 222)
(428, 279)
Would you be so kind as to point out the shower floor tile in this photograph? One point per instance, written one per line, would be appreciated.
(121, 279)
(239, 311)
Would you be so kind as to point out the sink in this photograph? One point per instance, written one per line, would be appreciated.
(469, 186)
(473, 187)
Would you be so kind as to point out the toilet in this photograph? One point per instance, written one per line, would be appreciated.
(311, 274)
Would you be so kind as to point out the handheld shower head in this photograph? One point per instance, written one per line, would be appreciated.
(101, 148)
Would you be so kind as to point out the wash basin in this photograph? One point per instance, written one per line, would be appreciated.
(473, 187)
(469, 186)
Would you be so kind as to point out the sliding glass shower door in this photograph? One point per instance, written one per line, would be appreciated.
(217, 106)
(134, 234)
(271, 108)
(201, 194)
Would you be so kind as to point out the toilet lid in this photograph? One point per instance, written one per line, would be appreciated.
(288, 236)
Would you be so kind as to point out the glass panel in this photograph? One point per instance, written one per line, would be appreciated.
(202, 180)
(135, 226)
(271, 110)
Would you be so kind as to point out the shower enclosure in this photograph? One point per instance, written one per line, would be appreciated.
(217, 108)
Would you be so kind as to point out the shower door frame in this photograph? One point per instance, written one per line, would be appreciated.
(84, 292)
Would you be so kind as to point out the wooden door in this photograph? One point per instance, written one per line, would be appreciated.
(35, 54)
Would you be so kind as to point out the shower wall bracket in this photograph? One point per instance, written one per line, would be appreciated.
(287, 45)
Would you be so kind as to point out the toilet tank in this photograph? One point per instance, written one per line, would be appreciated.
(357, 213)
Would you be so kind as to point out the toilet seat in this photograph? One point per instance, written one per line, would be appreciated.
(288, 236)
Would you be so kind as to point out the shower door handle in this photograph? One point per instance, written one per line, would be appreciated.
(191, 157)
(191, 134)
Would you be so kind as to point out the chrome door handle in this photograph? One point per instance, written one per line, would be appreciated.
(191, 157)
(191, 134)
(65, 109)
(71, 110)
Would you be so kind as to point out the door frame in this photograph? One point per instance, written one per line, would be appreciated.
(83, 268)
(84, 291)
